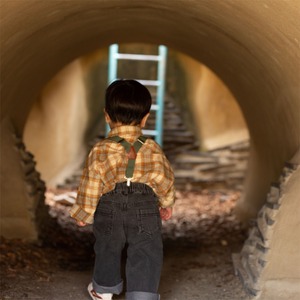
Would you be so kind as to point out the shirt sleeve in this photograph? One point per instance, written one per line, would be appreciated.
(163, 179)
(89, 190)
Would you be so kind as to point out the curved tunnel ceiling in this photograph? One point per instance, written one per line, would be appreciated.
(253, 46)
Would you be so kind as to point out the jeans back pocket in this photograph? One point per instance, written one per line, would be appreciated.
(149, 220)
(103, 221)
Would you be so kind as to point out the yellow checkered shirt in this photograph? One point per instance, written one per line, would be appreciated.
(106, 165)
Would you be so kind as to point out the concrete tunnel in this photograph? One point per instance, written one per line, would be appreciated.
(253, 46)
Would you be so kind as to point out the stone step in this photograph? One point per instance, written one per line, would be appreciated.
(222, 166)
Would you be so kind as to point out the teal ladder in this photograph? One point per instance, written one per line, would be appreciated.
(158, 107)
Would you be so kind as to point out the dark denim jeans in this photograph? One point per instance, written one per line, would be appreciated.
(128, 215)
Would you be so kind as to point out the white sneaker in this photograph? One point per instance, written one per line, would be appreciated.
(97, 296)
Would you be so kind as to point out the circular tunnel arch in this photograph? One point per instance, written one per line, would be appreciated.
(246, 52)
(253, 46)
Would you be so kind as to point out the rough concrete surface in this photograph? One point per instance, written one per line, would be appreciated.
(255, 53)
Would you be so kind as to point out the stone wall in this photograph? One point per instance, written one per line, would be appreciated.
(255, 263)
(20, 179)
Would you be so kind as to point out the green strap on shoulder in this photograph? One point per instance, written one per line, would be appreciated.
(131, 151)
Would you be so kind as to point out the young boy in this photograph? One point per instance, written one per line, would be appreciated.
(127, 187)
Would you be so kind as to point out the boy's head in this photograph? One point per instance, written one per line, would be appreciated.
(127, 102)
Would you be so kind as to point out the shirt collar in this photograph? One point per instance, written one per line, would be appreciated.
(128, 132)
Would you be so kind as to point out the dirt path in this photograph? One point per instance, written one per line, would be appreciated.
(199, 241)
(188, 273)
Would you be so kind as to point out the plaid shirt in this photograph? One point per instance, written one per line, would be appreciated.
(106, 165)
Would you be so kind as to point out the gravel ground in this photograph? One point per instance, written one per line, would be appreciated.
(199, 241)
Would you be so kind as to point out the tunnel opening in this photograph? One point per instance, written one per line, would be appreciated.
(205, 156)
(206, 198)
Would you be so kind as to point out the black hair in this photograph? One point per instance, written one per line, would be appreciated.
(127, 101)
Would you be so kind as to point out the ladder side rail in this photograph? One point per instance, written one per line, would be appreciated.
(161, 71)
(112, 69)
(112, 63)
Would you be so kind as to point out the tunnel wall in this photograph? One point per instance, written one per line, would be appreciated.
(255, 54)
(56, 125)
(253, 46)
(216, 115)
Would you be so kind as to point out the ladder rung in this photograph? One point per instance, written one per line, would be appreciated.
(154, 107)
(150, 132)
(137, 56)
(149, 82)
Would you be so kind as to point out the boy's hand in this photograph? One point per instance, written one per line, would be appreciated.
(165, 213)
(81, 224)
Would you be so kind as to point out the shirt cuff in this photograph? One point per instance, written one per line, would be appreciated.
(166, 203)
(80, 214)
(169, 199)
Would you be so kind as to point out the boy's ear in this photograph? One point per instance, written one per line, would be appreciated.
(107, 118)
(144, 120)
